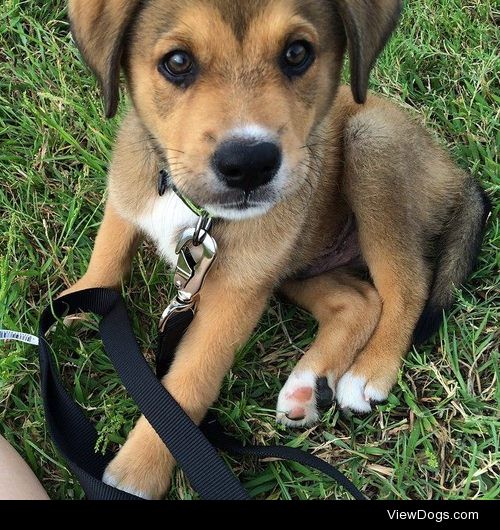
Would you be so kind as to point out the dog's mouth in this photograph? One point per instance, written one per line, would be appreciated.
(227, 203)
(241, 205)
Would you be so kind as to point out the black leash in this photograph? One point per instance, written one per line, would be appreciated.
(192, 448)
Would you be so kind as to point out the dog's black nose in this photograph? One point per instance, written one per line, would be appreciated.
(247, 165)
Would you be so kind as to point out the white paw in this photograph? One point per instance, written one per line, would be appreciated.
(110, 480)
(297, 405)
(353, 393)
(374, 394)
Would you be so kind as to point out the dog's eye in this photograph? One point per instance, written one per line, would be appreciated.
(179, 63)
(297, 58)
(178, 67)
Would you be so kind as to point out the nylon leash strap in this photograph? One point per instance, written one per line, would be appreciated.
(193, 448)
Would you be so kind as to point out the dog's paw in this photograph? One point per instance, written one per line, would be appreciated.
(302, 398)
(120, 483)
(128, 474)
(142, 467)
(356, 393)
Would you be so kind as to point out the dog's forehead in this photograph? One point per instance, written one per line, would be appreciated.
(238, 15)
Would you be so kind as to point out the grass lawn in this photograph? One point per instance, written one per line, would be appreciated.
(436, 437)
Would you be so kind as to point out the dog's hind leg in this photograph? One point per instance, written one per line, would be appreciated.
(420, 222)
(347, 310)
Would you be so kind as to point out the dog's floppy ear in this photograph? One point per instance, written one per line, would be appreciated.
(99, 28)
(368, 25)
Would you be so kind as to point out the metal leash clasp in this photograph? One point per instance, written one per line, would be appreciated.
(197, 251)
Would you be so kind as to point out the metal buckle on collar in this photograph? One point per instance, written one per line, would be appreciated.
(197, 251)
(191, 271)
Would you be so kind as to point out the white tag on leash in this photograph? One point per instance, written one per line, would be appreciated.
(18, 337)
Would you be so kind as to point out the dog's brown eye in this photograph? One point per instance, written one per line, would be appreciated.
(178, 67)
(297, 58)
(296, 54)
(179, 63)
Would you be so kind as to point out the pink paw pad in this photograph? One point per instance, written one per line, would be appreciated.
(302, 395)
(297, 400)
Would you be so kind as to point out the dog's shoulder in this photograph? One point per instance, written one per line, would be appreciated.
(378, 116)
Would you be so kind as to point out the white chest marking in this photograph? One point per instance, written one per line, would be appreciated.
(163, 219)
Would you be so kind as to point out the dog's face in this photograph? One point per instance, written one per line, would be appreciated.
(231, 92)
(232, 96)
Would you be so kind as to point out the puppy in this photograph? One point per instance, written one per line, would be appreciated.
(334, 197)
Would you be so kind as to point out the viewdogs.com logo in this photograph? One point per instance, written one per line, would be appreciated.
(438, 517)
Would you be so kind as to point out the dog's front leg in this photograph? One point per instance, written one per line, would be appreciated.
(115, 246)
(225, 319)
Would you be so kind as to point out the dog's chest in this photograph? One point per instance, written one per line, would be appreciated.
(163, 220)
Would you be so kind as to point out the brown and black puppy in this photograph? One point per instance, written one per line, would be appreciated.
(313, 187)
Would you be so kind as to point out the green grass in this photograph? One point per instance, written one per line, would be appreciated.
(437, 437)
